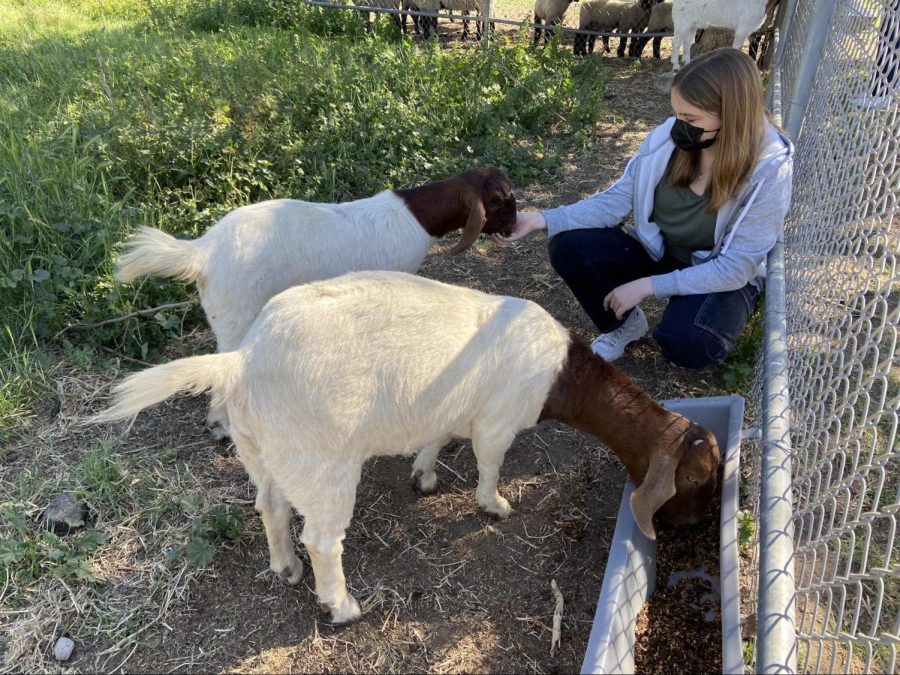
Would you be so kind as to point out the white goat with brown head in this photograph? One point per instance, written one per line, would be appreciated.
(259, 250)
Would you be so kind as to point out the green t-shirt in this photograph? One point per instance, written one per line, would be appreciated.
(682, 218)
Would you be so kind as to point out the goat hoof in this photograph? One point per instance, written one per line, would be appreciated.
(292, 573)
(423, 485)
(500, 510)
(500, 516)
(218, 432)
(348, 613)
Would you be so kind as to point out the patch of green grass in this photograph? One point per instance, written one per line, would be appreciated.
(113, 488)
(741, 364)
(746, 528)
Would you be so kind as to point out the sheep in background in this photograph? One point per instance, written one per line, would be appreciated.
(381, 4)
(259, 250)
(462, 6)
(690, 15)
(622, 16)
(380, 363)
(410, 6)
(428, 23)
(660, 22)
(550, 12)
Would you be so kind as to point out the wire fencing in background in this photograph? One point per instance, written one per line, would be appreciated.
(603, 27)
(828, 388)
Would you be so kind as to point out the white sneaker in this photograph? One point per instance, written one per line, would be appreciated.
(873, 102)
(612, 345)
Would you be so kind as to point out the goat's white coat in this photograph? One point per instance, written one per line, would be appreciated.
(259, 250)
(370, 363)
(690, 15)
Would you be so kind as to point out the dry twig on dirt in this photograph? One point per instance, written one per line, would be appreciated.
(557, 617)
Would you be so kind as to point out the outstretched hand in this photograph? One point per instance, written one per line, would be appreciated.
(526, 223)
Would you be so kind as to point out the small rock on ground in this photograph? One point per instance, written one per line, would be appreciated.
(63, 648)
(64, 514)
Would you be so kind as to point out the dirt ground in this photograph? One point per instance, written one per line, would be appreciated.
(443, 587)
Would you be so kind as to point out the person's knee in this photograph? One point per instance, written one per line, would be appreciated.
(567, 253)
(692, 348)
(589, 250)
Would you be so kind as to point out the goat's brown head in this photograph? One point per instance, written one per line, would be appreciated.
(679, 482)
(487, 195)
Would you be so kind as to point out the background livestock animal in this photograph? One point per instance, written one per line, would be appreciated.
(690, 15)
(548, 12)
(623, 16)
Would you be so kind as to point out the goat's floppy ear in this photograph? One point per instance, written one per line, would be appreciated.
(496, 192)
(658, 488)
(474, 222)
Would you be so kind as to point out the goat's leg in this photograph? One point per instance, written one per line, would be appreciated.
(326, 516)
(229, 329)
(537, 30)
(739, 38)
(681, 47)
(490, 448)
(274, 510)
(424, 478)
(217, 421)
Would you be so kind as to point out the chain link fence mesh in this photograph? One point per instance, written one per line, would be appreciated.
(841, 286)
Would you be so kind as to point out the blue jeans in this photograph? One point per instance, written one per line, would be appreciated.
(695, 330)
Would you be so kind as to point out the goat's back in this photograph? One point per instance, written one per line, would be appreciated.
(261, 249)
(694, 14)
(383, 363)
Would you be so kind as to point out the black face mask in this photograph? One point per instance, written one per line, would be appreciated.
(687, 137)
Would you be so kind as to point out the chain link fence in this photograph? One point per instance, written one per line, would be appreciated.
(828, 388)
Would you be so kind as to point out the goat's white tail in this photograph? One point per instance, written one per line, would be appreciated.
(194, 375)
(153, 251)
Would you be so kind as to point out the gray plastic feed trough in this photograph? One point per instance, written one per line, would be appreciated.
(631, 569)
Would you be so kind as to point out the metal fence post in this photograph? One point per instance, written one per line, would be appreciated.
(776, 629)
(776, 643)
(798, 97)
(488, 12)
(784, 19)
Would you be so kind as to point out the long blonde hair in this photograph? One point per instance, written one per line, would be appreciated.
(725, 82)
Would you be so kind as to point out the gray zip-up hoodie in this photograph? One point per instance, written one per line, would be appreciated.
(747, 226)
